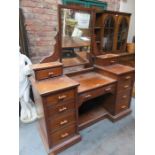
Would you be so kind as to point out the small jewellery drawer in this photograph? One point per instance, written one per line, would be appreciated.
(96, 92)
(109, 61)
(60, 108)
(112, 61)
(62, 120)
(60, 97)
(63, 134)
(48, 73)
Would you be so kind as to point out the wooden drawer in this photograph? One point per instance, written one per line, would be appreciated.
(63, 134)
(126, 58)
(125, 82)
(106, 61)
(60, 97)
(62, 120)
(60, 108)
(97, 92)
(127, 77)
(48, 73)
(123, 101)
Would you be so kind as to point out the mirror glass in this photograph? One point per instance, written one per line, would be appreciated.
(75, 37)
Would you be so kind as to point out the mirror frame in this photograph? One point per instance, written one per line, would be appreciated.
(76, 8)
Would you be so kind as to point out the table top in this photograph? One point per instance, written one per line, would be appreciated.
(53, 85)
(91, 80)
(118, 69)
(45, 65)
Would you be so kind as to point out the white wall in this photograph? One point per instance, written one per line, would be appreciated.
(129, 6)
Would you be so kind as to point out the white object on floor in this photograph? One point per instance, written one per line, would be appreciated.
(28, 110)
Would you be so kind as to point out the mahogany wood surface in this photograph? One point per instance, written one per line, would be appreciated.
(125, 77)
(118, 69)
(47, 70)
(91, 80)
(62, 119)
(73, 101)
(46, 65)
(51, 85)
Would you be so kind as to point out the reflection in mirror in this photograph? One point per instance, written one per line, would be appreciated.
(108, 34)
(122, 34)
(76, 37)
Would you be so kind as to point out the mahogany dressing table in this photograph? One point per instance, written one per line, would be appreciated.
(72, 96)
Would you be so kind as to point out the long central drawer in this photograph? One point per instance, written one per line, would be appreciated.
(96, 92)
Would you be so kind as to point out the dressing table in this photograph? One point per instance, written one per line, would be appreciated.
(76, 91)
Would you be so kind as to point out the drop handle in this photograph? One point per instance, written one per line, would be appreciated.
(64, 135)
(125, 96)
(123, 106)
(128, 77)
(107, 89)
(126, 86)
(63, 122)
(112, 61)
(50, 74)
(62, 97)
(88, 96)
(62, 109)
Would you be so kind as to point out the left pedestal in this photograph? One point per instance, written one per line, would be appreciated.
(56, 102)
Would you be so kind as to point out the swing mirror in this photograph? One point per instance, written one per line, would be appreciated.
(75, 27)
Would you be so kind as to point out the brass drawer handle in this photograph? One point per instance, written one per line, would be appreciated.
(123, 106)
(107, 89)
(63, 122)
(62, 109)
(112, 61)
(125, 96)
(88, 96)
(126, 86)
(128, 77)
(62, 97)
(50, 74)
(64, 135)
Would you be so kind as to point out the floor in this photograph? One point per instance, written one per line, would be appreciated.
(102, 138)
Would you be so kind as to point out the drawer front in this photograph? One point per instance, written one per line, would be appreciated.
(127, 77)
(60, 108)
(123, 101)
(48, 73)
(125, 82)
(112, 61)
(121, 107)
(60, 97)
(126, 58)
(63, 134)
(62, 120)
(106, 62)
(97, 92)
